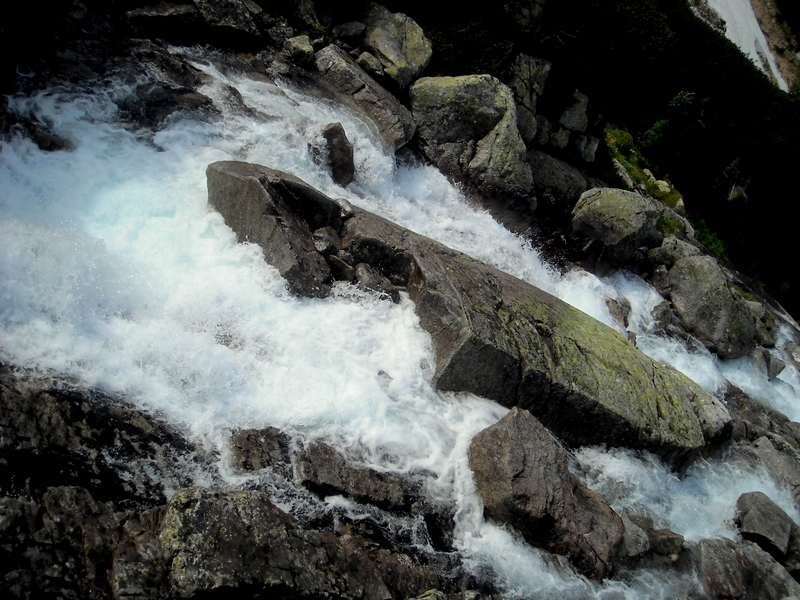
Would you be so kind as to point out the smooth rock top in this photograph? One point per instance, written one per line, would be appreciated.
(468, 127)
(398, 42)
(229, 17)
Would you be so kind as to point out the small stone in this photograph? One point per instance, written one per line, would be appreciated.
(340, 154)
(370, 64)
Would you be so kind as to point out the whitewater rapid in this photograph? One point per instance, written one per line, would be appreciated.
(116, 272)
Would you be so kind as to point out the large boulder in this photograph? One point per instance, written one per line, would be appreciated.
(524, 479)
(622, 221)
(762, 521)
(730, 570)
(340, 73)
(501, 338)
(398, 42)
(468, 128)
(709, 306)
(497, 336)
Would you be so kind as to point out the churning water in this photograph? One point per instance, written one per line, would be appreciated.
(115, 271)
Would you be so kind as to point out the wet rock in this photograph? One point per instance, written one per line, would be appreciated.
(559, 139)
(523, 479)
(340, 154)
(781, 463)
(258, 547)
(574, 117)
(634, 540)
(398, 42)
(719, 569)
(325, 471)
(671, 250)
(586, 147)
(619, 310)
(543, 130)
(622, 221)
(504, 339)
(468, 128)
(326, 241)
(712, 311)
(151, 104)
(256, 449)
(339, 72)
(730, 570)
(277, 212)
(762, 521)
(349, 31)
(299, 49)
(60, 547)
(370, 279)
(53, 434)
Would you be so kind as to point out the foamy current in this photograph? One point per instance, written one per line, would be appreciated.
(115, 271)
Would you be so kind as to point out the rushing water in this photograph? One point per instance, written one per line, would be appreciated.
(115, 271)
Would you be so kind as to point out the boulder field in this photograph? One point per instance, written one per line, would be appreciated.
(100, 499)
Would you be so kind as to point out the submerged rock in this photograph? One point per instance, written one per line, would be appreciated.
(523, 479)
(468, 128)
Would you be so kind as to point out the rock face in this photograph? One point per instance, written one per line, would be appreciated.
(398, 42)
(340, 73)
(523, 479)
(468, 128)
(493, 334)
(221, 541)
(712, 311)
